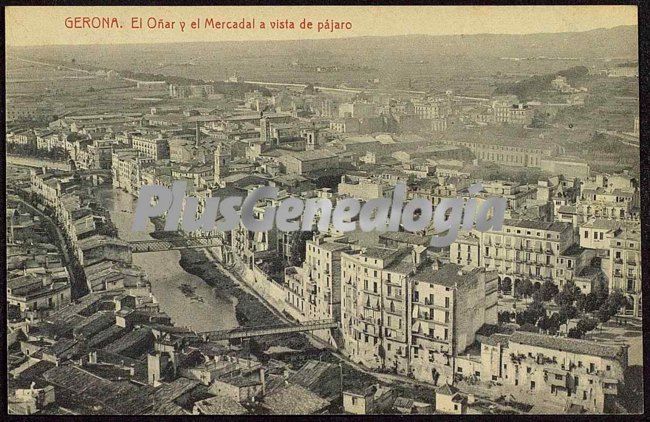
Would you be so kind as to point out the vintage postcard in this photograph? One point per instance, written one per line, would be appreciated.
(292, 210)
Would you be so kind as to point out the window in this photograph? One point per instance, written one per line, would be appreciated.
(532, 385)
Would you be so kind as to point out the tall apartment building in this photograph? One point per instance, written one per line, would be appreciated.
(155, 147)
(403, 315)
(126, 169)
(367, 276)
(314, 290)
(625, 268)
(521, 249)
(434, 109)
(450, 304)
(612, 203)
(507, 152)
(518, 114)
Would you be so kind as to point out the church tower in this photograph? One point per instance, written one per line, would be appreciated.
(311, 136)
(221, 161)
(265, 131)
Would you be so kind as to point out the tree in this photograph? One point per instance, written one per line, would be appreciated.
(551, 324)
(537, 308)
(586, 324)
(548, 290)
(569, 294)
(554, 323)
(531, 315)
(567, 312)
(504, 317)
(591, 302)
(575, 333)
(563, 298)
(524, 288)
(615, 302)
(603, 314)
(543, 323)
(526, 317)
(506, 285)
(580, 302)
(602, 294)
(573, 290)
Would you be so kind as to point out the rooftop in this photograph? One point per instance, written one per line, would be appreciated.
(584, 347)
(319, 154)
(220, 405)
(448, 275)
(555, 226)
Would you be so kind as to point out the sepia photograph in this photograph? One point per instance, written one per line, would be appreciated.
(323, 210)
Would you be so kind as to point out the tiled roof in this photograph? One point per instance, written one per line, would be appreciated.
(220, 405)
(447, 390)
(584, 347)
(293, 399)
(537, 225)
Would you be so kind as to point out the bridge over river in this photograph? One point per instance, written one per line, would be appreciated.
(244, 333)
(176, 243)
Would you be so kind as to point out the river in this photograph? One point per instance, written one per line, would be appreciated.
(201, 307)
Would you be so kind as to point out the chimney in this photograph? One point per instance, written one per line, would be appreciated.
(263, 380)
(153, 368)
(198, 134)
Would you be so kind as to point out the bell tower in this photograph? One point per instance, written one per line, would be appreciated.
(221, 161)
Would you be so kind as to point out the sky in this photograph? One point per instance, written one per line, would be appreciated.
(37, 25)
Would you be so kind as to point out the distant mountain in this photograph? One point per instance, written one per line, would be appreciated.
(620, 41)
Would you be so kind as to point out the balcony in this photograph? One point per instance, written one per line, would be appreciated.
(370, 292)
(433, 338)
(394, 296)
